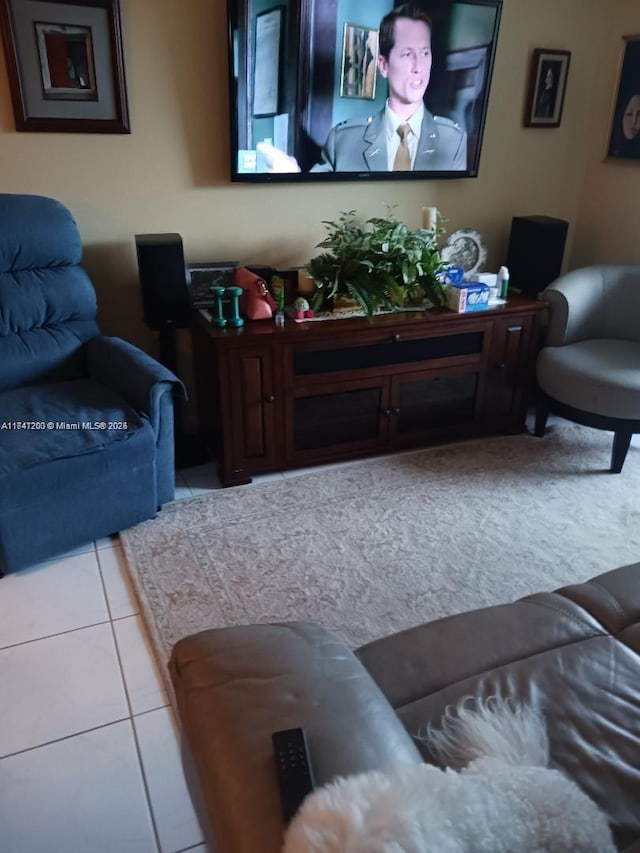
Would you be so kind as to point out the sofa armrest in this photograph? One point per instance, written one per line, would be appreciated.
(576, 306)
(575, 303)
(236, 686)
(129, 371)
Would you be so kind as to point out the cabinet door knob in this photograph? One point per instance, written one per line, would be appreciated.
(386, 413)
(270, 398)
(395, 338)
(395, 410)
(501, 365)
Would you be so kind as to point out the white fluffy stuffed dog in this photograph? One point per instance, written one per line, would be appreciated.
(505, 800)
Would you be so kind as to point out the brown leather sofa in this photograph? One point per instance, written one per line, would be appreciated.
(575, 652)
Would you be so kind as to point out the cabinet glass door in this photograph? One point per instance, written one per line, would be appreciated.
(349, 416)
(327, 417)
(430, 402)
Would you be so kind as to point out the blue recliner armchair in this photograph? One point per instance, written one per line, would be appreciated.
(86, 421)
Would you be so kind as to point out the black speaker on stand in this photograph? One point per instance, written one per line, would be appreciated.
(165, 308)
(536, 250)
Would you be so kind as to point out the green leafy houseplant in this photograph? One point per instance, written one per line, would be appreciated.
(381, 265)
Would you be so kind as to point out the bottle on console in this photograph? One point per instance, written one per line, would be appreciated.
(503, 282)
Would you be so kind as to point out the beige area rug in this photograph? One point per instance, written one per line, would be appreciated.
(381, 545)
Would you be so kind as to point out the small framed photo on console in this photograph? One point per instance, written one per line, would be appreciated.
(201, 278)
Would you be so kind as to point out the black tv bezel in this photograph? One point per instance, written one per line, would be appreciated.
(292, 178)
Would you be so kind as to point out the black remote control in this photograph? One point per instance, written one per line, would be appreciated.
(295, 774)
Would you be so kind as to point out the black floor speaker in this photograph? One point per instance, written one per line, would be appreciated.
(166, 307)
(536, 250)
(163, 281)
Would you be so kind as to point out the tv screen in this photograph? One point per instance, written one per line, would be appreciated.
(359, 89)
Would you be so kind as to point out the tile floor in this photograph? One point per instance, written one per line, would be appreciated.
(89, 750)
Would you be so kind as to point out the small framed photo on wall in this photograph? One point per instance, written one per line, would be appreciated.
(547, 85)
(624, 132)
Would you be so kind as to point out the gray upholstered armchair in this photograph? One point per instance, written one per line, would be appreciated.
(589, 369)
(86, 421)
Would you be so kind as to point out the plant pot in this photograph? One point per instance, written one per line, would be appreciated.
(341, 304)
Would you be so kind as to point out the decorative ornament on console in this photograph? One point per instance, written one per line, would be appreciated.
(466, 248)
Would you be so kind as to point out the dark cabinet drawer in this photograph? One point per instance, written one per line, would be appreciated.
(389, 352)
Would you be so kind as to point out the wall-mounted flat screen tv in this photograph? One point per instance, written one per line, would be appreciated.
(359, 89)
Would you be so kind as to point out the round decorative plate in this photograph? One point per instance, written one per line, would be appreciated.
(465, 248)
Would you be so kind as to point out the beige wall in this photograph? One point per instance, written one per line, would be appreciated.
(170, 174)
(607, 229)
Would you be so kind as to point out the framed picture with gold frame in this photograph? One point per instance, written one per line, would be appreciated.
(65, 65)
(624, 131)
(359, 62)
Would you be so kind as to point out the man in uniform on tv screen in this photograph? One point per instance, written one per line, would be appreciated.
(403, 136)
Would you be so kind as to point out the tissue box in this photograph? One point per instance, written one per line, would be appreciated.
(490, 279)
(467, 296)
